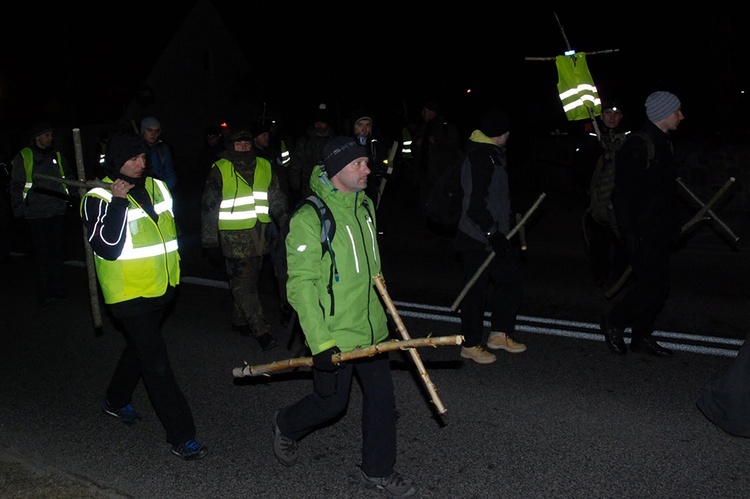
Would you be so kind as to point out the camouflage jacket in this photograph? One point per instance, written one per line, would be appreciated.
(246, 242)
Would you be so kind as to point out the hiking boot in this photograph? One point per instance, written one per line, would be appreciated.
(125, 414)
(267, 341)
(395, 484)
(190, 450)
(284, 448)
(478, 355)
(501, 341)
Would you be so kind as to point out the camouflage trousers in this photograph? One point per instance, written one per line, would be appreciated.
(244, 275)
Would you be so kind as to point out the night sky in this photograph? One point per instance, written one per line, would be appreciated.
(78, 64)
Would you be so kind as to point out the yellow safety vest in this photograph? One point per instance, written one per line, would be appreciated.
(28, 165)
(150, 260)
(576, 87)
(286, 157)
(406, 144)
(242, 205)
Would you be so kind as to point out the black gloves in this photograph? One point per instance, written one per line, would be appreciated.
(324, 374)
(499, 242)
(322, 360)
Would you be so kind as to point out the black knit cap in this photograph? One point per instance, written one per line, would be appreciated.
(339, 152)
(494, 123)
(122, 147)
(41, 127)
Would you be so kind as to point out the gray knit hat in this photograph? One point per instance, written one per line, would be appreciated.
(149, 122)
(661, 104)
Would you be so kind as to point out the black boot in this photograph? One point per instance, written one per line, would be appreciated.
(613, 337)
(650, 347)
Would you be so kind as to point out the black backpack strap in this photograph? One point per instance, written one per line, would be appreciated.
(327, 231)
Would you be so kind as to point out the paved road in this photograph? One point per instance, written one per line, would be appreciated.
(564, 419)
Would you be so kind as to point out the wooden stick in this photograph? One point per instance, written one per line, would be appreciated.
(391, 157)
(521, 233)
(552, 58)
(82, 184)
(380, 284)
(486, 263)
(700, 215)
(709, 211)
(96, 311)
(357, 353)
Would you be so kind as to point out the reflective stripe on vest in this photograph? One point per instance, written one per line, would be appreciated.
(242, 205)
(28, 166)
(406, 144)
(285, 156)
(150, 260)
(576, 87)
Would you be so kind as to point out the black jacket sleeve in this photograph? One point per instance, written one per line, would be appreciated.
(106, 225)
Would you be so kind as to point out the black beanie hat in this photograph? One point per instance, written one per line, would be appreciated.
(432, 106)
(122, 147)
(339, 152)
(494, 123)
(41, 127)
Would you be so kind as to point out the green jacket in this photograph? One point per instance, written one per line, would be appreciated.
(352, 314)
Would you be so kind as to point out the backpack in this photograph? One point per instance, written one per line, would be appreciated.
(443, 203)
(603, 180)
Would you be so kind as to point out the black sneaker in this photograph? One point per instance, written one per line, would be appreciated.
(284, 448)
(125, 414)
(395, 484)
(190, 450)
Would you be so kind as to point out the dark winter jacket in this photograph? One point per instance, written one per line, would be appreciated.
(308, 152)
(486, 199)
(46, 198)
(644, 197)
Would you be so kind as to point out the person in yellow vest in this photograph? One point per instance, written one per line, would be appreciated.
(42, 204)
(241, 198)
(132, 231)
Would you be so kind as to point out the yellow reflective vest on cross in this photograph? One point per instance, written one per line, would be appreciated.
(150, 260)
(576, 87)
(243, 205)
(28, 165)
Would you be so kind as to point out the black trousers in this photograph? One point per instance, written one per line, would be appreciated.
(607, 253)
(378, 412)
(48, 240)
(505, 273)
(145, 357)
(641, 303)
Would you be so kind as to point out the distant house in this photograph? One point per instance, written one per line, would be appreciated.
(201, 78)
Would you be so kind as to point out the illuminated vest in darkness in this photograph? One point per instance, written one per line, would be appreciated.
(576, 87)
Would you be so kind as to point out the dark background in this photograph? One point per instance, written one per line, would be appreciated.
(80, 64)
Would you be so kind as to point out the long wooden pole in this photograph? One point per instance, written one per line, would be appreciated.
(709, 211)
(700, 215)
(380, 284)
(487, 261)
(357, 353)
(96, 311)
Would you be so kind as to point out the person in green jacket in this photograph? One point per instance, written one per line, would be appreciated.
(339, 309)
